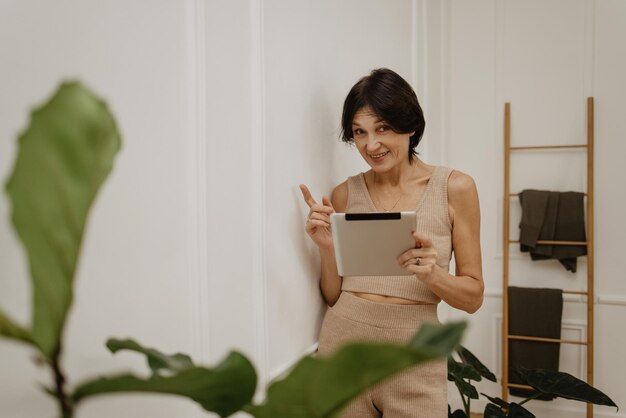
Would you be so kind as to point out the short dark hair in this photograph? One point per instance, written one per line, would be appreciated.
(392, 99)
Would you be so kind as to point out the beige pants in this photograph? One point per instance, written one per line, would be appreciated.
(420, 391)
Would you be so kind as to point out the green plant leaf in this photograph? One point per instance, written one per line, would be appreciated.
(493, 411)
(223, 390)
(438, 339)
(472, 360)
(497, 401)
(157, 361)
(63, 157)
(518, 411)
(564, 385)
(466, 388)
(321, 387)
(504, 409)
(462, 370)
(458, 372)
(513, 411)
(10, 329)
(459, 413)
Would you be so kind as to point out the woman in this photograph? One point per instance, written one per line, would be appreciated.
(383, 118)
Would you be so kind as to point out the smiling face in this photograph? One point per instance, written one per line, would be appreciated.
(379, 145)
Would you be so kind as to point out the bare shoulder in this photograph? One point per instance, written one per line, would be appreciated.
(462, 196)
(339, 198)
(461, 186)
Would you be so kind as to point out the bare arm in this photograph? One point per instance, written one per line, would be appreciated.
(464, 290)
(318, 228)
(330, 281)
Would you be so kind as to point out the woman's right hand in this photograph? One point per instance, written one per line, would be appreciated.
(318, 220)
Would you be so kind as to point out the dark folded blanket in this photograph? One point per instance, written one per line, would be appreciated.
(534, 313)
(553, 216)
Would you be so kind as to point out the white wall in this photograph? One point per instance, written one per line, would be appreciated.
(545, 57)
(224, 107)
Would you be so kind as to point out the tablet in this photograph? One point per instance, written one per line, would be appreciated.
(368, 244)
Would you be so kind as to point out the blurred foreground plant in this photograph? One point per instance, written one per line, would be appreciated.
(64, 156)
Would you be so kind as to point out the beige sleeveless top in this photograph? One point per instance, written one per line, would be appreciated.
(432, 220)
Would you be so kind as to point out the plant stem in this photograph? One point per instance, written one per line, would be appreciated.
(65, 403)
(466, 405)
(530, 398)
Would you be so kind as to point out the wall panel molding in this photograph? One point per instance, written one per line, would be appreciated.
(258, 181)
(601, 299)
(589, 52)
(568, 326)
(196, 115)
(418, 47)
(434, 17)
(446, 81)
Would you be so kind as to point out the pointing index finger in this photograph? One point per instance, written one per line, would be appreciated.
(308, 198)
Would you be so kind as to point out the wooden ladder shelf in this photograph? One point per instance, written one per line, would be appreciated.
(507, 241)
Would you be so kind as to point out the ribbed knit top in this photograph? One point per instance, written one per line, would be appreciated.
(432, 220)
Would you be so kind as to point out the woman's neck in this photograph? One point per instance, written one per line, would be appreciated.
(400, 175)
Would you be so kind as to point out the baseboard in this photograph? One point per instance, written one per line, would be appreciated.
(565, 409)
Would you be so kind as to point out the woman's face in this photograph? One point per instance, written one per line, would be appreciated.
(379, 145)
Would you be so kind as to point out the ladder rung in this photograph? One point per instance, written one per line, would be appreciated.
(576, 292)
(518, 386)
(548, 147)
(547, 340)
(548, 242)
(517, 194)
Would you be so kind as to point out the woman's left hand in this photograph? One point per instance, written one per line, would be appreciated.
(420, 260)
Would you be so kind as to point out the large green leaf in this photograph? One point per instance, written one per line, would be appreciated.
(466, 388)
(437, 339)
(518, 411)
(456, 414)
(63, 157)
(322, 387)
(501, 408)
(223, 390)
(493, 411)
(157, 361)
(498, 401)
(564, 385)
(458, 372)
(472, 360)
(462, 370)
(10, 329)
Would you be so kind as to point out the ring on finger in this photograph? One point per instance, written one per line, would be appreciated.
(418, 261)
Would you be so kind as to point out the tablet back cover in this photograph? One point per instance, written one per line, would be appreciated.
(368, 244)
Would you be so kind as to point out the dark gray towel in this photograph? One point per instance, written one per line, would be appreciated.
(534, 204)
(535, 313)
(554, 216)
(539, 216)
(570, 226)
